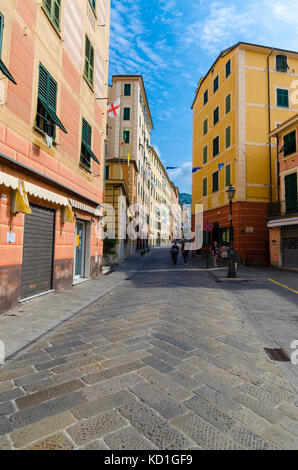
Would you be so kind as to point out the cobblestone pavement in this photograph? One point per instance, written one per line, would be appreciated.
(164, 361)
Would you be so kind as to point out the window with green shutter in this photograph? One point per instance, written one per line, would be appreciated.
(107, 172)
(228, 68)
(216, 146)
(205, 127)
(215, 84)
(289, 146)
(205, 187)
(89, 62)
(126, 114)
(228, 175)
(205, 154)
(281, 63)
(206, 97)
(47, 99)
(53, 10)
(215, 182)
(228, 103)
(126, 137)
(291, 193)
(228, 137)
(282, 97)
(86, 152)
(216, 116)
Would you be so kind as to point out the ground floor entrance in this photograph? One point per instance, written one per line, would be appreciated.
(80, 250)
(290, 246)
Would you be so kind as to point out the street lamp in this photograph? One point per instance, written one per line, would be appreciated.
(232, 267)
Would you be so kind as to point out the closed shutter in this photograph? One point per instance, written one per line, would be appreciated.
(290, 246)
(37, 269)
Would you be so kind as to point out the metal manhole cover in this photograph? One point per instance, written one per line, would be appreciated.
(277, 355)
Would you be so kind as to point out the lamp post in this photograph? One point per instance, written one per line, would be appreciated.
(232, 267)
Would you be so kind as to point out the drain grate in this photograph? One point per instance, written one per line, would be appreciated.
(277, 355)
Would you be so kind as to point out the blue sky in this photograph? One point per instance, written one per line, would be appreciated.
(172, 43)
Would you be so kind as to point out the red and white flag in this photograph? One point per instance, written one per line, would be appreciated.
(114, 109)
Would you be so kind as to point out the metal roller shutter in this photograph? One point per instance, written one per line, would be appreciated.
(37, 269)
(290, 246)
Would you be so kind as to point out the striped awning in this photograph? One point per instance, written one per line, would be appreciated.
(12, 182)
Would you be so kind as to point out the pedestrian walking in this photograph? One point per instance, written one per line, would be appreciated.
(185, 255)
(225, 254)
(215, 254)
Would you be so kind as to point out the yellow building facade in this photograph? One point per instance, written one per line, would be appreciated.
(246, 93)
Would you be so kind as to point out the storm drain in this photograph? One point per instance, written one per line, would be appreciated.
(277, 355)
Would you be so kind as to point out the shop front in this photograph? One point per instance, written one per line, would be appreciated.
(47, 240)
(283, 235)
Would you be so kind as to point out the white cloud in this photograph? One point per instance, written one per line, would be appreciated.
(182, 176)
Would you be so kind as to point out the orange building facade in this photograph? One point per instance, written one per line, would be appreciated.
(52, 144)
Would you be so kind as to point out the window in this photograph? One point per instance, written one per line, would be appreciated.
(53, 9)
(3, 67)
(282, 97)
(206, 97)
(228, 175)
(205, 155)
(289, 146)
(291, 192)
(228, 137)
(89, 62)
(281, 63)
(215, 182)
(205, 127)
(127, 89)
(107, 172)
(126, 114)
(215, 146)
(216, 116)
(205, 187)
(126, 137)
(46, 118)
(86, 152)
(228, 68)
(228, 103)
(216, 84)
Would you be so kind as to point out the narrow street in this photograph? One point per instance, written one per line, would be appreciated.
(168, 359)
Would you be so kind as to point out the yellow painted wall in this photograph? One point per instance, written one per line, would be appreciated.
(249, 123)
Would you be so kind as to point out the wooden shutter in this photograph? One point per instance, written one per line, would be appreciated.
(205, 154)
(228, 137)
(87, 133)
(291, 192)
(43, 83)
(56, 13)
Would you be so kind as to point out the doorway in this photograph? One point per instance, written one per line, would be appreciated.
(80, 250)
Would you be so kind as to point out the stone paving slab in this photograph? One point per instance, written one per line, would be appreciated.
(164, 360)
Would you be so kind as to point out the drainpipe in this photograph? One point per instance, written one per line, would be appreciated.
(269, 120)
